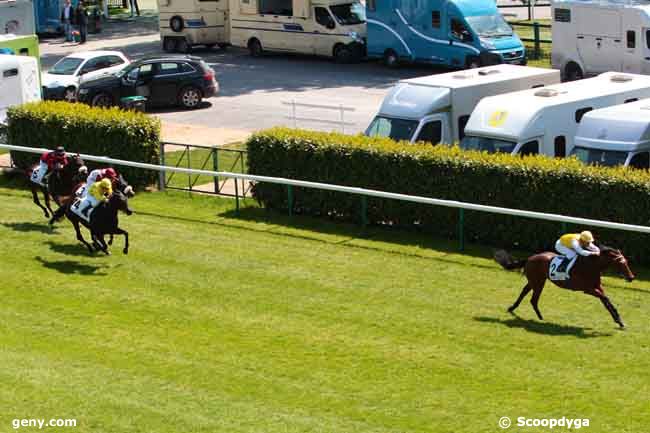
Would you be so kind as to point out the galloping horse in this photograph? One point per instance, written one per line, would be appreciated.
(585, 276)
(103, 221)
(61, 182)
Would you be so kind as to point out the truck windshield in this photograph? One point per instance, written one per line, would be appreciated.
(600, 156)
(349, 14)
(489, 25)
(66, 66)
(397, 129)
(485, 144)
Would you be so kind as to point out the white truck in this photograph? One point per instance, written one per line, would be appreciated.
(19, 82)
(545, 121)
(435, 108)
(595, 36)
(618, 135)
(331, 28)
(186, 23)
(17, 17)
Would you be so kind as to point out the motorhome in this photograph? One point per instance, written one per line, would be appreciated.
(332, 28)
(17, 17)
(545, 120)
(618, 135)
(453, 33)
(48, 15)
(595, 36)
(435, 109)
(19, 82)
(187, 23)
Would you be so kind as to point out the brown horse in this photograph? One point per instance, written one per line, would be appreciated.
(585, 276)
(61, 183)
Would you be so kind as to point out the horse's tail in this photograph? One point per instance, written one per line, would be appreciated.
(508, 262)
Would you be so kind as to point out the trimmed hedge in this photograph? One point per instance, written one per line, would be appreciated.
(537, 183)
(110, 132)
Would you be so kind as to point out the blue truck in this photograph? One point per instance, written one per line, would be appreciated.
(451, 33)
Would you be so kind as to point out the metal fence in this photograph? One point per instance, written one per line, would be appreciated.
(192, 156)
(536, 39)
(340, 122)
(528, 6)
(362, 193)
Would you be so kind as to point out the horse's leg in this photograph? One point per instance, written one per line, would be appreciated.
(521, 297)
(46, 194)
(534, 301)
(609, 306)
(119, 231)
(37, 202)
(102, 242)
(80, 238)
(110, 238)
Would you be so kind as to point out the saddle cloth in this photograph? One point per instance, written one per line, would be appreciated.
(553, 274)
(79, 204)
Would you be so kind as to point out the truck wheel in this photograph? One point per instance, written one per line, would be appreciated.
(169, 45)
(255, 48)
(573, 72)
(391, 59)
(343, 54)
(176, 23)
(472, 62)
(182, 46)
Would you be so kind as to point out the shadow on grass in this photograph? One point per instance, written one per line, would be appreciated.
(29, 227)
(545, 328)
(70, 249)
(70, 267)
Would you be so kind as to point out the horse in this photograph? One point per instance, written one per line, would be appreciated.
(585, 276)
(103, 221)
(60, 183)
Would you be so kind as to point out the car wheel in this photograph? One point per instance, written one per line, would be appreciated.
(391, 59)
(182, 46)
(70, 94)
(190, 97)
(472, 63)
(102, 100)
(169, 45)
(177, 24)
(255, 48)
(343, 54)
(573, 72)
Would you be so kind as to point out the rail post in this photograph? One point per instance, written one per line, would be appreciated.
(161, 174)
(290, 199)
(215, 167)
(538, 49)
(189, 166)
(364, 211)
(236, 198)
(530, 10)
(461, 229)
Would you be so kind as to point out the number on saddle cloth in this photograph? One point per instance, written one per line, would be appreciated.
(553, 273)
(80, 203)
(37, 175)
(81, 191)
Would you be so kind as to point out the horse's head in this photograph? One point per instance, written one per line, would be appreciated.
(121, 202)
(121, 185)
(617, 260)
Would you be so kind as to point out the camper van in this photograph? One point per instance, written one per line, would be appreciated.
(453, 33)
(618, 135)
(591, 37)
(545, 120)
(17, 17)
(19, 82)
(435, 109)
(186, 23)
(332, 28)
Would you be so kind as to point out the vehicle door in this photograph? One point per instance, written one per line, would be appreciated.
(91, 68)
(641, 161)
(425, 32)
(138, 81)
(324, 24)
(460, 47)
(636, 54)
(166, 81)
(433, 130)
(600, 39)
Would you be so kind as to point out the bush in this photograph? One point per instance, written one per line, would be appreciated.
(537, 183)
(110, 132)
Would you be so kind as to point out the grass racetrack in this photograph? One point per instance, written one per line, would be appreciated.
(262, 323)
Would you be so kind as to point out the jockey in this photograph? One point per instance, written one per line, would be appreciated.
(98, 193)
(99, 174)
(572, 244)
(48, 163)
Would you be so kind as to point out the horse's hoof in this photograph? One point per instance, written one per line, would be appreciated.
(511, 310)
(108, 253)
(621, 325)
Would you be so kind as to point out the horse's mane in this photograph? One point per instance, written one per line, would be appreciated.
(607, 249)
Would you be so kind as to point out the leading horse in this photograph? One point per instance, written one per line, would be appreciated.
(585, 276)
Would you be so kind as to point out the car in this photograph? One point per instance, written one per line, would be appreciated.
(162, 80)
(63, 79)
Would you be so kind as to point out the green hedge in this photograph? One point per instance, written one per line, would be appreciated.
(95, 131)
(537, 183)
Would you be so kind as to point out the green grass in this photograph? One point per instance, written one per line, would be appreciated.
(262, 323)
(203, 159)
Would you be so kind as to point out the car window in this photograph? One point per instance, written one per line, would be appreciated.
(641, 160)
(114, 61)
(187, 68)
(431, 132)
(92, 65)
(140, 73)
(168, 69)
(323, 17)
(530, 148)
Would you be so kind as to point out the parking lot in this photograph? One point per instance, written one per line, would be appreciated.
(253, 89)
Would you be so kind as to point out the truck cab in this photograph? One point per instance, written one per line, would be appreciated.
(453, 33)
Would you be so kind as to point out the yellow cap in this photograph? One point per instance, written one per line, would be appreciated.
(586, 237)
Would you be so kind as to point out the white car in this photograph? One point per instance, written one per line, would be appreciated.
(63, 79)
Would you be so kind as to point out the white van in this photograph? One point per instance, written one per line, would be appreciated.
(594, 36)
(618, 135)
(19, 82)
(435, 108)
(331, 28)
(186, 23)
(546, 120)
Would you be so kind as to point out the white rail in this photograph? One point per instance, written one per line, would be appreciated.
(340, 108)
(358, 191)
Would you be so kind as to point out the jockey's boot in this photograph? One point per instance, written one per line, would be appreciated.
(563, 265)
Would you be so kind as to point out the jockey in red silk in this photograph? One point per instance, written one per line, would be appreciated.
(48, 163)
